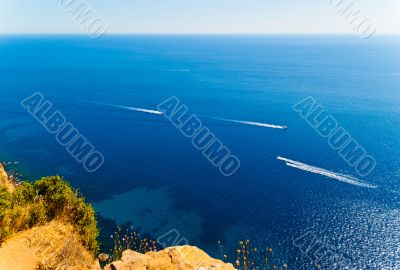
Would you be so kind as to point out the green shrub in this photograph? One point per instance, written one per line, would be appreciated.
(24, 194)
(60, 197)
(5, 204)
(48, 198)
(5, 201)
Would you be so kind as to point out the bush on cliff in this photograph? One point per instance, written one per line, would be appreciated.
(47, 199)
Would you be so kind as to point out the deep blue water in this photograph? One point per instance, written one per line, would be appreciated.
(154, 179)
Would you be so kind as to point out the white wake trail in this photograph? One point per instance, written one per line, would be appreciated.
(338, 176)
(130, 108)
(180, 70)
(251, 123)
(138, 109)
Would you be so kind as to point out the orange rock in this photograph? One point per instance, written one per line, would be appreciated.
(174, 258)
(5, 180)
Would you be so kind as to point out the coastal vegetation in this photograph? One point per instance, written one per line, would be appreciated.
(128, 239)
(249, 256)
(50, 198)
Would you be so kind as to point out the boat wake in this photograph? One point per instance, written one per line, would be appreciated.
(337, 176)
(179, 70)
(258, 124)
(138, 109)
(129, 108)
(215, 118)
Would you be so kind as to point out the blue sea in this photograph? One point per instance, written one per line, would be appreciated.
(155, 180)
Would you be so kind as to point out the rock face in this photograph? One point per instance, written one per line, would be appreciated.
(174, 258)
(5, 180)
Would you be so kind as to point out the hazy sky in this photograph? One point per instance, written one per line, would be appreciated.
(198, 16)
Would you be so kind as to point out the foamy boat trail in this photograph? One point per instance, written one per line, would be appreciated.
(130, 108)
(337, 176)
(181, 70)
(252, 123)
(138, 109)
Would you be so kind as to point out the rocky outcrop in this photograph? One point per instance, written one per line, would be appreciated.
(174, 258)
(5, 180)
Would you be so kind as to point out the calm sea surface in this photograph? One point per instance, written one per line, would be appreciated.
(155, 180)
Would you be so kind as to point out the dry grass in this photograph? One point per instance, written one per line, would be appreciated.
(129, 239)
(249, 257)
(55, 246)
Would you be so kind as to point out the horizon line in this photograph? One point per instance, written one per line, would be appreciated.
(187, 33)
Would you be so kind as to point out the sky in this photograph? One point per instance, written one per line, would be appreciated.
(199, 16)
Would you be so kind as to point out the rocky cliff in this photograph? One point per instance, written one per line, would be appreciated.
(174, 258)
(5, 181)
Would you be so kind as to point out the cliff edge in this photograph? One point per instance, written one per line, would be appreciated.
(173, 258)
(5, 181)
